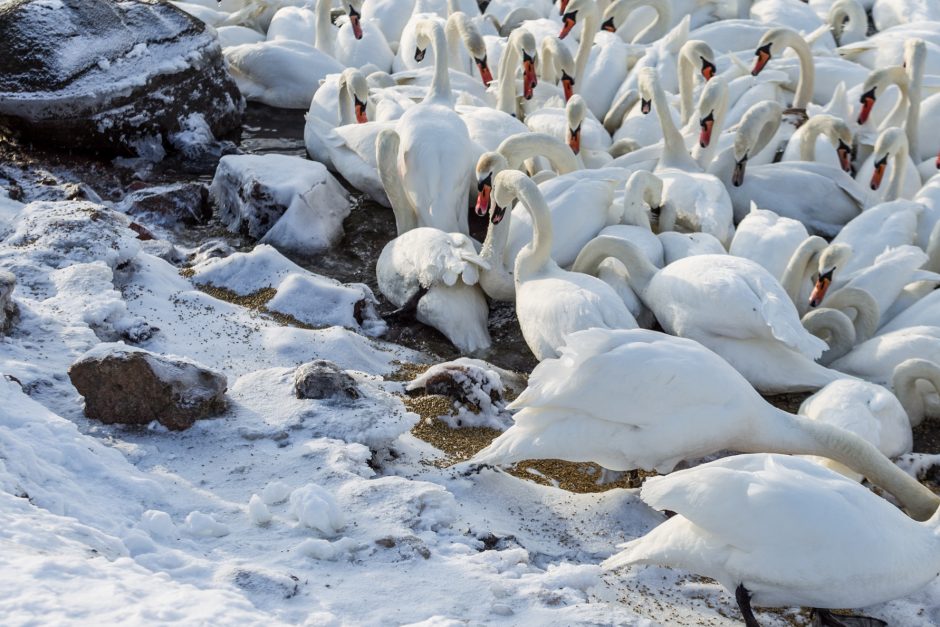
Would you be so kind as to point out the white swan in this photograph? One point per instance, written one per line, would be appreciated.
(823, 139)
(577, 127)
(891, 158)
(769, 239)
(632, 418)
(791, 189)
(436, 153)
(430, 272)
(550, 302)
(876, 359)
(914, 380)
(742, 521)
(695, 198)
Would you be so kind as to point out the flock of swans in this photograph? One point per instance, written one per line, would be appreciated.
(759, 182)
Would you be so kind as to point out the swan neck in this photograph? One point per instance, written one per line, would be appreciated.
(344, 102)
(780, 432)
(536, 255)
(640, 271)
(813, 129)
(906, 376)
(508, 64)
(588, 33)
(915, 80)
(674, 151)
(324, 27)
(686, 71)
(865, 313)
(387, 160)
(802, 263)
(834, 328)
(519, 148)
(804, 88)
(439, 91)
(899, 154)
(452, 34)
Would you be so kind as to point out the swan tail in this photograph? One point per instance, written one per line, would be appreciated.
(521, 441)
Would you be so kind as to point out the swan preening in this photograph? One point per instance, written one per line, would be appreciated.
(778, 221)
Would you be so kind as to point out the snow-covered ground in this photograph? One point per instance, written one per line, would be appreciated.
(281, 510)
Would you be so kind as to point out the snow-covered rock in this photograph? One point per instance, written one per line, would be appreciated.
(476, 387)
(187, 203)
(309, 298)
(322, 379)
(316, 508)
(289, 202)
(111, 77)
(375, 418)
(124, 384)
(7, 306)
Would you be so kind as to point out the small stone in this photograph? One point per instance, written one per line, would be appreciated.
(127, 385)
(7, 306)
(322, 379)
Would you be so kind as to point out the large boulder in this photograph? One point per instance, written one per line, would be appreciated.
(122, 77)
(128, 385)
(7, 306)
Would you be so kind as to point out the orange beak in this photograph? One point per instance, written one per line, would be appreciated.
(485, 73)
(645, 106)
(361, 116)
(763, 56)
(868, 102)
(567, 84)
(819, 290)
(708, 70)
(938, 161)
(574, 139)
(356, 24)
(529, 79)
(567, 23)
(705, 136)
(484, 189)
(562, 6)
(845, 156)
(879, 172)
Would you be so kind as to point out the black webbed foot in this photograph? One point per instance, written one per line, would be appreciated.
(743, 597)
(825, 618)
(409, 308)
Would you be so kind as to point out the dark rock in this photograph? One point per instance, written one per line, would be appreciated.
(143, 233)
(183, 202)
(127, 385)
(113, 78)
(323, 379)
(7, 306)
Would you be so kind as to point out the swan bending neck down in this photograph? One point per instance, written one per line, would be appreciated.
(426, 271)
(742, 520)
(657, 400)
(776, 41)
(550, 302)
(910, 378)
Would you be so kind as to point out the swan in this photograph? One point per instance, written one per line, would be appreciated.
(428, 271)
(913, 380)
(776, 41)
(681, 245)
(359, 42)
(436, 152)
(903, 179)
(304, 25)
(338, 102)
(742, 521)
(280, 73)
(577, 127)
(888, 13)
(551, 302)
(390, 16)
(791, 189)
(876, 359)
(693, 197)
(634, 419)
(236, 35)
(835, 328)
(823, 139)
(768, 239)
(848, 22)
(734, 307)
(556, 76)
(617, 12)
(520, 50)
(925, 311)
(868, 410)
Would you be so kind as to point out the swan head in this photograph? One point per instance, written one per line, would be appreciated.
(505, 190)
(477, 47)
(489, 165)
(558, 56)
(524, 42)
(648, 84)
(754, 132)
(839, 134)
(774, 39)
(354, 11)
(357, 86)
(834, 256)
(425, 33)
(573, 12)
(575, 111)
(711, 105)
(891, 142)
(701, 53)
(642, 194)
(846, 11)
(482, 5)
(877, 82)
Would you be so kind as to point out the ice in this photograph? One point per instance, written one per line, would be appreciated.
(258, 512)
(204, 526)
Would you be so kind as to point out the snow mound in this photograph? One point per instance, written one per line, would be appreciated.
(316, 508)
(309, 298)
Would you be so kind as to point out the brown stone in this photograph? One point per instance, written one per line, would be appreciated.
(127, 385)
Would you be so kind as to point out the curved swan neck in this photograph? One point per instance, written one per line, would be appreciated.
(386, 154)
(804, 89)
(715, 98)
(802, 263)
(857, 20)
(508, 64)
(523, 146)
(814, 127)
(453, 36)
(690, 52)
(324, 27)
(640, 271)
(834, 328)
(899, 151)
(536, 255)
(865, 314)
(590, 23)
(642, 192)
(904, 381)
(620, 10)
(780, 432)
